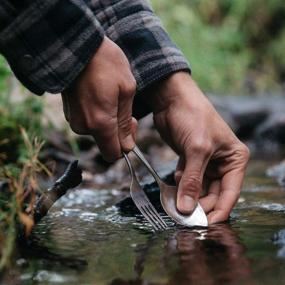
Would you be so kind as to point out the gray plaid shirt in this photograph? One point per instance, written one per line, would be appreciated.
(48, 42)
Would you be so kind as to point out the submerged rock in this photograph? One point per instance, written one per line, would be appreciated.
(128, 208)
(279, 239)
(260, 121)
(273, 129)
(277, 172)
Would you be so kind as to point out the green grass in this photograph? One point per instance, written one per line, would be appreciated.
(232, 46)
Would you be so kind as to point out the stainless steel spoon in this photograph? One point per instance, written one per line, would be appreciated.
(168, 197)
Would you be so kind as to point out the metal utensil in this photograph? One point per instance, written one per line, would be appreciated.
(168, 195)
(142, 202)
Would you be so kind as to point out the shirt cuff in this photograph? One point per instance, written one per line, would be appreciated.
(48, 43)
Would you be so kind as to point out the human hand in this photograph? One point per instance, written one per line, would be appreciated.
(99, 101)
(212, 161)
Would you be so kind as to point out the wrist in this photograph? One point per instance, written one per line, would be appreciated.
(171, 91)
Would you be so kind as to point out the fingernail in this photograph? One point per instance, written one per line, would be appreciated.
(178, 176)
(186, 204)
(216, 217)
(212, 219)
(129, 142)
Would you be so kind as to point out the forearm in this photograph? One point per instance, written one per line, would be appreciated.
(48, 43)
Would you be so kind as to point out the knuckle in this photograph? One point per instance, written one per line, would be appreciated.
(196, 147)
(133, 84)
(125, 125)
(99, 122)
(202, 147)
(207, 149)
(246, 152)
(243, 153)
(130, 88)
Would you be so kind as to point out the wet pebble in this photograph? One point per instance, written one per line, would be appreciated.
(277, 172)
(279, 239)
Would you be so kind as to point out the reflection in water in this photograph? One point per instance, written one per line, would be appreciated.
(200, 259)
(279, 239)
(213, 256)
(85, 240)
(141, 254)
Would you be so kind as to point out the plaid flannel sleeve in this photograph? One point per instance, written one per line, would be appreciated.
(139, 32)
(48, 43)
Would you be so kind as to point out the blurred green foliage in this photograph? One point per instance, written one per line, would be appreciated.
(232, 46)
(26, 114)
(18, 198)
(20, 124)
(4, 72)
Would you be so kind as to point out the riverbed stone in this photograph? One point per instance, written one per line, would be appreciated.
(259, 121)
(127, 207)
(277, 172)
(273, 129)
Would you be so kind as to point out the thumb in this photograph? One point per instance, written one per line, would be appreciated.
(190, 185)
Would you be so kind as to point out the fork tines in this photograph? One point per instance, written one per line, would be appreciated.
(142, 202)
(149, 212)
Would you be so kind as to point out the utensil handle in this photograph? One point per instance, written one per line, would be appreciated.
(141, 157)
(132, 172)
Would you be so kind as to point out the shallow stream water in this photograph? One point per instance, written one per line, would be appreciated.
(84, 240)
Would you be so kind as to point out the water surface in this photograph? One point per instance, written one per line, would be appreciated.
(84, 240)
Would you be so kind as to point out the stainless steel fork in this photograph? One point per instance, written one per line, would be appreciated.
(142, 202)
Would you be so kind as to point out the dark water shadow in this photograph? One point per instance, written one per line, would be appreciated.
(212, 256)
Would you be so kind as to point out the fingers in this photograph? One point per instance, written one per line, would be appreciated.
(209, 201)
(105, 133)
(107, 118)
(190, 185)
(89, 115)
(231, 185)
(112, 125)
(125, 123)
